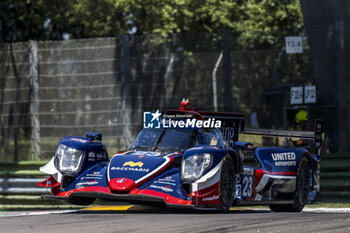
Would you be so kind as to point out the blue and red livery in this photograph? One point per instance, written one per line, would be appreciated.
(195, 168)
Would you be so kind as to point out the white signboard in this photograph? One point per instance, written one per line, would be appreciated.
(310, 94)
(296, 95)
(294, 44)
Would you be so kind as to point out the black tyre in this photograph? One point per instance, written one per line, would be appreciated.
(81, 201)
(227, 184)
(302, 190)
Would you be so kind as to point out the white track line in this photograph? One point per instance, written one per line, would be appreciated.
(327, 210)
(31, 213)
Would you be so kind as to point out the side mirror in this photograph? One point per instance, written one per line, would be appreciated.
(244, 146)
(94, 136)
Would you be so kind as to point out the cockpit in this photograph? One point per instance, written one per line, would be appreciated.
(169, 139)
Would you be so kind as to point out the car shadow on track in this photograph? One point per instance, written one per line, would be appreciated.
(162, 210)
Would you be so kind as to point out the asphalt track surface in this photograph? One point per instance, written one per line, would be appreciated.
(140, 219)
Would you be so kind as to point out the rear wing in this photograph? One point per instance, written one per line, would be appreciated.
(315, 136)
(308, 135)
(231, 124)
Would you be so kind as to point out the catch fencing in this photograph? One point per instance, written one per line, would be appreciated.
(51, 89)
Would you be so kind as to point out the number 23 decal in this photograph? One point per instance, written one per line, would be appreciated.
(247, 184)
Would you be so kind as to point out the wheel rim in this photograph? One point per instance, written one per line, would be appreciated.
(227, 185)
(303, 183)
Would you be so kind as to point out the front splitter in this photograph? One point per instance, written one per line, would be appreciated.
(130, 198)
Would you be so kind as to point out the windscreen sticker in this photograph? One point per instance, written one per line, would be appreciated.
(146, 153)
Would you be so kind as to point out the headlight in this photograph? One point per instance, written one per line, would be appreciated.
(194, 166)
(69, 159)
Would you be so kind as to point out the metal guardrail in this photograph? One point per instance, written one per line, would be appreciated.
(23, 186)
(280, 133)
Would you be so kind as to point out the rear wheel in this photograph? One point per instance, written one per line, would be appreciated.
(302, 190)
(227, 184)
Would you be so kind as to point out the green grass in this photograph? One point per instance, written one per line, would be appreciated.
(48, 148)
(318, 205)
(330, 205)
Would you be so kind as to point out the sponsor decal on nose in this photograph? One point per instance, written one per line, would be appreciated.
(133, 164)
(121, 180)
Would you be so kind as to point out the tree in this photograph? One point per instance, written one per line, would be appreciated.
(178, 16)
(265, 22)
(21, 20)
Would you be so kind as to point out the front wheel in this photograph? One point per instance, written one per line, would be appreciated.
(302, 190)
(227, 183)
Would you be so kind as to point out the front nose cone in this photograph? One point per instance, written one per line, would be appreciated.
(121, 184)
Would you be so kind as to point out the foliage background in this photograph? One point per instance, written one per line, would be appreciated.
(23, 20)
(80, 46)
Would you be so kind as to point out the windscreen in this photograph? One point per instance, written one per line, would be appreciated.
(165, 139)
